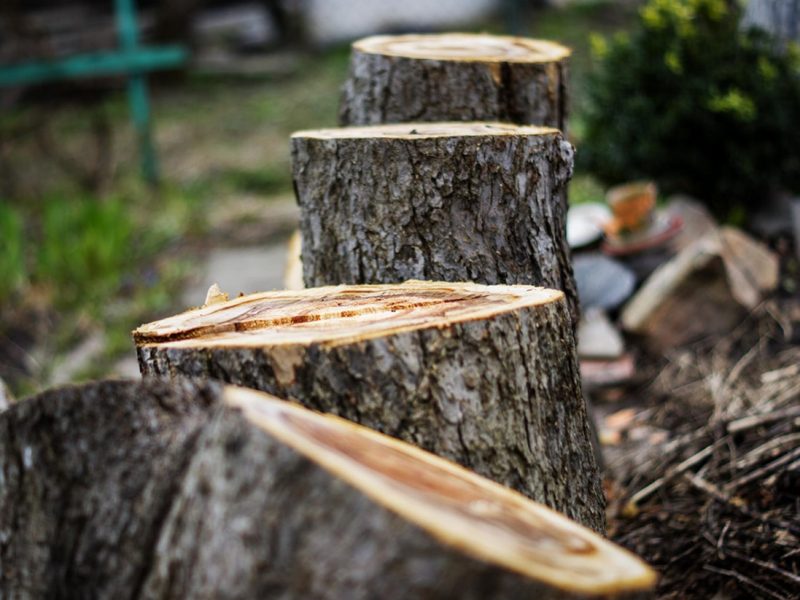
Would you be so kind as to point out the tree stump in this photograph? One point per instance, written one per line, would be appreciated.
(455, 77)
(485, 376)
(440, 201)
(192, 490)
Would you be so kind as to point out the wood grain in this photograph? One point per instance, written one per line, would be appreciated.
(482, 375)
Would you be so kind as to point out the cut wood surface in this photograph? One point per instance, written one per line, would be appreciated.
(191, 490)
(293, 272)
(483, 375)
(481, 202)
(455, 77)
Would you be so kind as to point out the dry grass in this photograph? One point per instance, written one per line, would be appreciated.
(710, 494)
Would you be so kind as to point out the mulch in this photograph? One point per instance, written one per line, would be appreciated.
(704, 477)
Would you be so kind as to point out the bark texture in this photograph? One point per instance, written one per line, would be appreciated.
(442, 202)
(497, 392)
(156, 490)
(455, 77)
(87, 476)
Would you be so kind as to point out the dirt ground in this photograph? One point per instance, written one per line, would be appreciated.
(703, 461)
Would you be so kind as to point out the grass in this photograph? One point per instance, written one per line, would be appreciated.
(84, 248)
(78, 263)
(13, 271)
(585, 188)
(109, 260)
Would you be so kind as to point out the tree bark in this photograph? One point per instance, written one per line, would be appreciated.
(440, 201)
(484, 376)
(157, 490)
(455, 77)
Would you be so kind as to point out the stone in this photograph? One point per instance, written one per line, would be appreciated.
(602, 282)
(585, 223)
(705, 290)
(597, 337)
(697, 221)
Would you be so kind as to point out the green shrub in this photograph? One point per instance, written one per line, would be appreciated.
(13, 271)
(690, 100)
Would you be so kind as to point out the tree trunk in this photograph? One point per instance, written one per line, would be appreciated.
(191, 490)
(781, 18)
(455, 77)
(484, 376)
(439, 201)
(6, 397)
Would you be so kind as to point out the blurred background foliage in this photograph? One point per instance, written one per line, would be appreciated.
(703, 106)
(83, 253)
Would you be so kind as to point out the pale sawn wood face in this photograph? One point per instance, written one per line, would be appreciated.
(421, 131)
(472, 47)
(339, 313)
(458, 507)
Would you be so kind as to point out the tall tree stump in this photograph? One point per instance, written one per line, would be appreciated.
(485, 376)
(191, 490)
(455, 77)
(440, 201)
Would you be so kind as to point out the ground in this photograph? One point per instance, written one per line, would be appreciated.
(703, 460)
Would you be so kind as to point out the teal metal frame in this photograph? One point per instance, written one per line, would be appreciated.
(131, 59)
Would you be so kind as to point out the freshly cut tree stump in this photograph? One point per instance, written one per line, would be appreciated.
(455, 77)
(479, 202)
(192, 490)
(483, 375)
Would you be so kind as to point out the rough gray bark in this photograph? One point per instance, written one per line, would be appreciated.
(496, 389)
(455, 77)
(446, 202)
(156, 490)
(87, 475)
